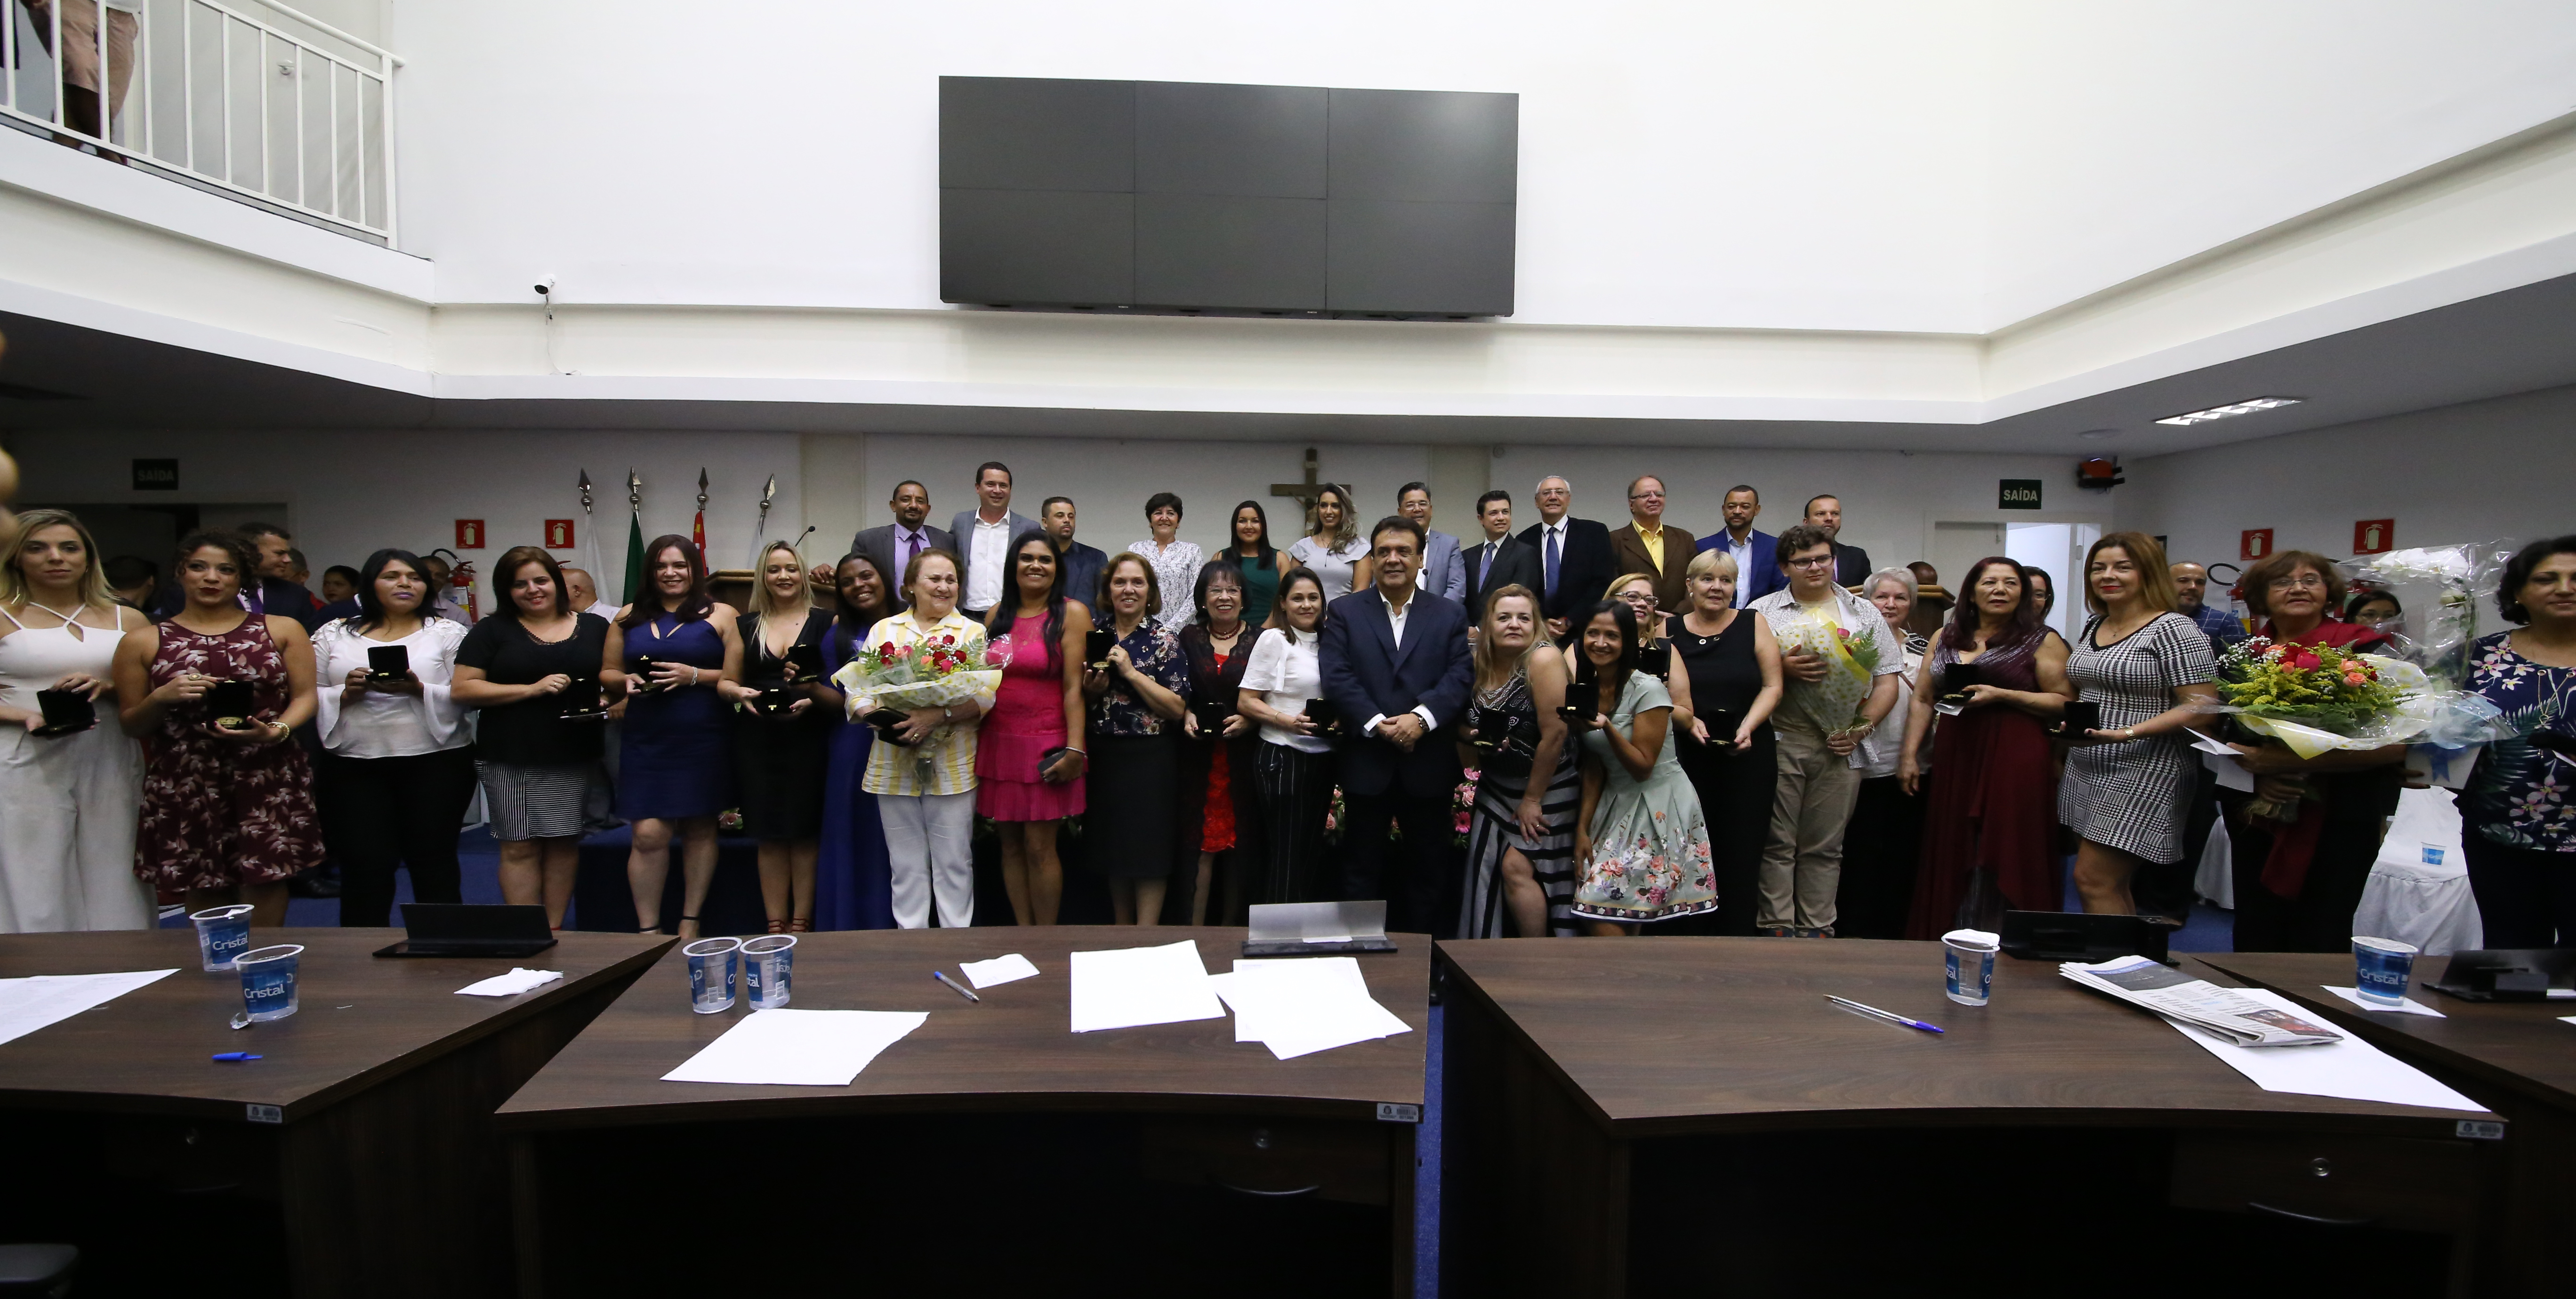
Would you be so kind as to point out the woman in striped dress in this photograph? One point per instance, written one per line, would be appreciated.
(1520, 837)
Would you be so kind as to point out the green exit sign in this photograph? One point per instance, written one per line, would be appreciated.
(2017, 494)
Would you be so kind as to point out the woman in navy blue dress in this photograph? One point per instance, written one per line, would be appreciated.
(853, 888)
(666, 654)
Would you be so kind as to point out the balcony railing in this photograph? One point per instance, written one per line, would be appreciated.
(286, 110)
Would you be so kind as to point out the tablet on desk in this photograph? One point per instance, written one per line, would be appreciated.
(471, 929)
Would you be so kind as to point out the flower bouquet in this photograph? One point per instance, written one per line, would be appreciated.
(893, 677)
(2317, 699)
(1833, 704)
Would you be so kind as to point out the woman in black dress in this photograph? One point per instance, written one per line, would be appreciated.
(1734, 669)
(1216, 759)
(784, 711)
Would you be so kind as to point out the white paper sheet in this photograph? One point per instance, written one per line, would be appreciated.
(2567, 1019)
(1134, 986)
(2222, 761)
(1301, 1005)
(519, 979)
(2350, 1069)
(2412, 1006)
(33, 1002)
(1000, 969)
(798, 1048)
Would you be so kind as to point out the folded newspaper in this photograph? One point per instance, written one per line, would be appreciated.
(2198, 1003)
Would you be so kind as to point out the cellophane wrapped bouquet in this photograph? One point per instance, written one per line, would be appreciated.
(2317, 699)
(1833, 704)
(2442, 588)
(928, 674)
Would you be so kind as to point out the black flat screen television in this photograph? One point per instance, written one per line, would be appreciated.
(1188, 196)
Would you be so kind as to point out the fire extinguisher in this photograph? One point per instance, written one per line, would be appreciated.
(460, 583)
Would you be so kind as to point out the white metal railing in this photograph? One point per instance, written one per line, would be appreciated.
(302, 120)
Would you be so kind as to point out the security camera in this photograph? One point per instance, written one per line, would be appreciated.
(544, 288)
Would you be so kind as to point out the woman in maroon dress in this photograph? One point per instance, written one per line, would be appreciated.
(227, 809)
(1990, 821)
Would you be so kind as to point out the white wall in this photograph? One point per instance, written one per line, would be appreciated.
(349, 493)
(2478, 472)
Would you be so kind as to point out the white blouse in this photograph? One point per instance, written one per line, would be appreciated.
(1176, 578)
(373, 724)
(1336, 566)
(1287, 668)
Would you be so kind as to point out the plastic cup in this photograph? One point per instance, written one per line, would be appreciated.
(1968, 964)
(714, 964)
(767, 969)
(268, 981)
(223, 933)
(2381, 968)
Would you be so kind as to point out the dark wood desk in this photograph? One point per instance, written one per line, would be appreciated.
(355, 1157)
(2514, 1057)
(991, 1151)
(1690, 1115)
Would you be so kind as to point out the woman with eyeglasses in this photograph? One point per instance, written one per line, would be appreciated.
(1216, 761)
(402, 759)
(2299, 875)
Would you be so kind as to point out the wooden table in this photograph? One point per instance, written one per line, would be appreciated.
(2514, 1057)
(356, 1157)
(1690, 1115)
(991, 1151)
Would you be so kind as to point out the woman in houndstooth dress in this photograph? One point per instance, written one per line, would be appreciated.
(2126, 792)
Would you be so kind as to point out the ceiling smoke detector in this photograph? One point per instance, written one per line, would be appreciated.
(2230, 411)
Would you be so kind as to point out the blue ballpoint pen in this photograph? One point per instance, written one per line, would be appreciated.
(1888, 1015)
(233, 1057)
(954, 986)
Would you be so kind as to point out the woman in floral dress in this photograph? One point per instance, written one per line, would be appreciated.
(227, 809)
(1641, 849)
(2521, 824)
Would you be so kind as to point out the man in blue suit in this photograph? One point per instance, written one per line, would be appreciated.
(1397, 668)
(1757, 564)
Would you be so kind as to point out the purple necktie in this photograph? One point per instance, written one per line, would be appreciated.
(911, 550)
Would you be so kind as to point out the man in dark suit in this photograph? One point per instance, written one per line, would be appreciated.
(1851, 563)
(1757, 568)
(1647, 546)
(1499, 560)
(1395, 664)
(891, 546)
(984, 536)
(1574, 560)
(1082, 564)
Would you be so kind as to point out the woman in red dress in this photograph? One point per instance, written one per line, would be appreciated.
(1218, 642)
(1990, 821)
(227, 808)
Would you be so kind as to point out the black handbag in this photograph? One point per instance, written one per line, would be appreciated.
(1507, 748)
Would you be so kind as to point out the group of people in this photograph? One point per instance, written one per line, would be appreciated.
(1743, 733)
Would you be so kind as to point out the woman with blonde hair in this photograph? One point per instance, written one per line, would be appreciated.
(67, 836)
(784, 711)
(1731, 667)
(1520, 833)
(1331, 548)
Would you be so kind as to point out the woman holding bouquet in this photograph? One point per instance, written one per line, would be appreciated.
(1841, 662)
(668, 655)
(922, 769)
(1136, 711)
(851, 884)
(1990, 800)
(2148, 669)
(2305, 838)
(1640, 841)
(1030, 769)
(2521, 832)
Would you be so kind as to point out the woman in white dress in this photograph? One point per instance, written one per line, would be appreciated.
(1332, 545)
(67, 832)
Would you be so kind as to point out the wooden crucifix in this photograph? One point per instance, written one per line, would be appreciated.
(1307, 491)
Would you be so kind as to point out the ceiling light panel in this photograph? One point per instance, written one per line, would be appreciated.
(2231, 410)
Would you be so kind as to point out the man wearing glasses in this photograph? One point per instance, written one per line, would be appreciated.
(1647, 546)
(1802, 863)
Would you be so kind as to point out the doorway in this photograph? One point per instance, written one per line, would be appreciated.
(2056, 549)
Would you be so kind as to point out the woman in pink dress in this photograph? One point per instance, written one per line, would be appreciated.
(227, 800)
(1038, 711)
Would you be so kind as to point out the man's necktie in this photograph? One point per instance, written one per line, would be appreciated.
(1551, 563)
(911, 551)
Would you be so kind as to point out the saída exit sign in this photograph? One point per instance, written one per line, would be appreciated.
(2017, 494)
